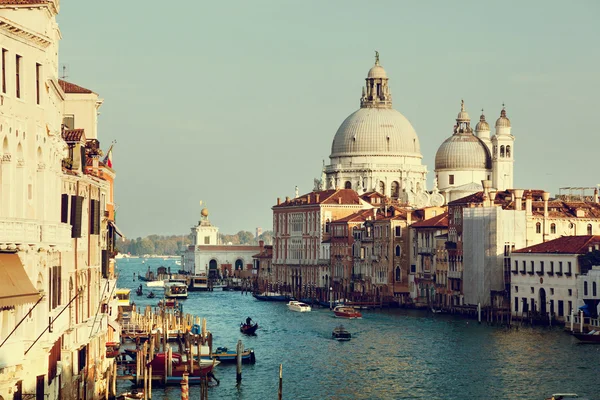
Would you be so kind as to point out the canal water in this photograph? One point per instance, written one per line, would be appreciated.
(393, 354)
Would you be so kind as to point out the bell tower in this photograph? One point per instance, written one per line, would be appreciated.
(503, 154)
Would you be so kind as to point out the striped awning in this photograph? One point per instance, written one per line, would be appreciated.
(17, 289)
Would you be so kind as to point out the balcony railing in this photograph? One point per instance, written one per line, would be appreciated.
(455, 274)
(426, 250)
(25, 231)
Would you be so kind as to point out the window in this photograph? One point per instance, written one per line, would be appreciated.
(551, 272)
(552, 228)
(18, 75)
(451, 179)
(507, 151)
(4, 51)
(594, 293)
(541, 271)
(516, 266)
(531, 267)
(525, 305)
(585, 288)
(348, 185)
(501, 151)
(538, 228)
(38, 70)
(54, 287)
(398, 274)
(589, 229)
(570, 306)
(524, 267)
(413, 268)
(568, 273)
(516, 304)
(561, 308)
(516, 289)
(206, 239)
(570, 292)
(398, 231)
(559, 272)
(552, 291)
(532, 290)
(397, 251)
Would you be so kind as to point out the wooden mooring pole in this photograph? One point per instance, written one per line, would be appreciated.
(240, 350)
(280, 381)
(184, 387)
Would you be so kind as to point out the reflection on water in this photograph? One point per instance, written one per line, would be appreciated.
(393, 354)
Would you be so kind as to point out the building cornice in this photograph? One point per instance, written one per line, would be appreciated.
(24, 33)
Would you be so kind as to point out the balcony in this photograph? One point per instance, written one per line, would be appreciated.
(358, 277)
(17, 231)
(426, 250)
(455, 274)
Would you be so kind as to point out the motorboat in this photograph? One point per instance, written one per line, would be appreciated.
(179, 366)
(159, 283)
(248, 329)
(270, 296)
(592, 337)
(176, 290)
(346, 312)
(563, 396)
(198, 283)
(132, 395)
(112, 349)
(298, 306)
(341, 334)
(224, 355)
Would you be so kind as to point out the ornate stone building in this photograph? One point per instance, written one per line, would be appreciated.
(376, 148)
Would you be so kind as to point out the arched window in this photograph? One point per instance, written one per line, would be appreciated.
(552, 228)
(538, 228)
(381, 187)
(585, 288)
(348, 185)
(501, 151)
(594, 289)
(507, 151)
(398, 274)
(397, 251)
(395, 190)
(589, 229)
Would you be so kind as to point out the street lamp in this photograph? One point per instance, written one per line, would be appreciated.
(330, 297)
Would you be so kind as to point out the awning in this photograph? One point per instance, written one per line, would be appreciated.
(116, 229)
(17, 289)
(114, 325)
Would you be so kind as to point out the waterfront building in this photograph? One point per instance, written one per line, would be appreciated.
(468, 157)
(588, 295)
(377, 149)
(545, 277)
(206, 256)
(262, 267)
(57, 231)
(429, 261)
(301, 238)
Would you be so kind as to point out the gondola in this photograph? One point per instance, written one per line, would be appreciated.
(248, 329)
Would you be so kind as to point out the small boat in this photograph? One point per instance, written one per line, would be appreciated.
(592, 337)
(198, 283)
(168, 303)
(248, 329)
(159, 283)
(227, 356)
(298, 306)
(341, 334)
(346, 312)
(132, 395)
(563, 396)
(139, 291)
(151, 295)
(270, 296)
(177, 290)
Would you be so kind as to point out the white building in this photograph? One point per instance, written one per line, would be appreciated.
(209, 258)
(588, 285)
(467, 158)
(544, 276)
(376, 148)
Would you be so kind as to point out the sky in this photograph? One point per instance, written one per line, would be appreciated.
(236, 103)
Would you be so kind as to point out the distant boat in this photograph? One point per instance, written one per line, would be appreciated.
(248, 329)
(176, 290)
(346, 312)
(341, 334)
(270, 296)
(592, 337)
(298, 306)
(226, 356)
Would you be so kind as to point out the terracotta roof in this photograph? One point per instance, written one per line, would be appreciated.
(439, 221)
(339, 196)
(359, 216)
(266, 253)
(504, 198)
(73, 135)
(69, 87)
(563, 245)
(22, 2)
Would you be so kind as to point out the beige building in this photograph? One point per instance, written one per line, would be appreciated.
(56, 220)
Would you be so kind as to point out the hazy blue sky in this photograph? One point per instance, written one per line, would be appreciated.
(235, 103)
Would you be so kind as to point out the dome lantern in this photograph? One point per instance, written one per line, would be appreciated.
(482, 125)
(376, 93)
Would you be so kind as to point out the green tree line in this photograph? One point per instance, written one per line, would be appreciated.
(172, 245)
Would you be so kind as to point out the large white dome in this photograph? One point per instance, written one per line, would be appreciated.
(376, 131)
(463, 152)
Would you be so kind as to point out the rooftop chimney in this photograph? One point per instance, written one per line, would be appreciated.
(518, 199)
(408, 218)
(528, 204)
(545, 197)
(287, 199)
(340, 200)
(487, 184)
(317, 197)
(595, 195)
(278, 201)
(308, 199)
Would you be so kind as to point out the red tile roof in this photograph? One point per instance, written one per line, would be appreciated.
(73, 135)
(359, 216)
(563, 245)
(69, 87)
(439, 221)
(339, 196)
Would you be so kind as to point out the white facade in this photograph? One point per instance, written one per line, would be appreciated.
(490, 234)
(544, 283)
(376, 147)
(588, 290)
(503, 154)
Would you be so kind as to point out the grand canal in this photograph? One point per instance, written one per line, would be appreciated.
(394, 354)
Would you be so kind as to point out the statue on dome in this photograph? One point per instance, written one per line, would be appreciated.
(376, 57)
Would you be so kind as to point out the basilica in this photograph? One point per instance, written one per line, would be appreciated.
(377, 149)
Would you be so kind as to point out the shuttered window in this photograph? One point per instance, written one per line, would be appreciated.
(105, 263)
(76, 211)
(64, 211)
(95, 217)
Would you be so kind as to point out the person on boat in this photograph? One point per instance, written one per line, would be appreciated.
(248, 321)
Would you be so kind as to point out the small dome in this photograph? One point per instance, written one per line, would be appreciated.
(204, 212)
(377, 72)
(482, 125)
(463, 151)
(463, 115)
(503, 121)
(376, 131)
